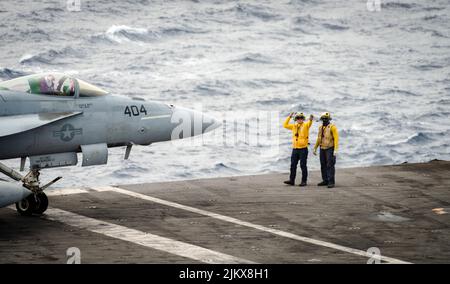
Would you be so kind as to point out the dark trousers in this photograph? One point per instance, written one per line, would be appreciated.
(299, 155)
(327, 162)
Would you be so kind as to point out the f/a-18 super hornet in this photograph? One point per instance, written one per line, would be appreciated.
(50, 118)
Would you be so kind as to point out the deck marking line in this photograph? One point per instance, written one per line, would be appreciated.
(141, 238)
(64, 191)
(254, 226)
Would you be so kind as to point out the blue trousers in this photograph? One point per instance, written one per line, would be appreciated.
(299, 155)
(327, 162)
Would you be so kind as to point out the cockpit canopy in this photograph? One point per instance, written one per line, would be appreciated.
(54, 84)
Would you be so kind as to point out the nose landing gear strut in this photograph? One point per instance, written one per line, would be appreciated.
(35, 203)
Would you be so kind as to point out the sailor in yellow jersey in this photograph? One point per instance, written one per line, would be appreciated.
(328, 140)
(300, 135)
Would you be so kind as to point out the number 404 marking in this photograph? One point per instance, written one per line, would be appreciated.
(135, 111)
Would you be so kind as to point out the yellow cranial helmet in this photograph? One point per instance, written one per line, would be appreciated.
(326, 116)
(299, 115)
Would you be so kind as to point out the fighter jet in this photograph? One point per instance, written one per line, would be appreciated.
(51, 118)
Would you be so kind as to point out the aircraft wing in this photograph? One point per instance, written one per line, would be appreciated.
(13, 124)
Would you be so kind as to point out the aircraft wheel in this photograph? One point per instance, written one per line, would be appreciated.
(41, 204)
(26, 206)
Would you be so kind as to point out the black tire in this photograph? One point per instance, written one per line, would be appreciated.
(41, 204)
(26, 206)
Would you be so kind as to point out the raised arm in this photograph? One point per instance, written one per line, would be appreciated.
(286, 123)
(310, 121)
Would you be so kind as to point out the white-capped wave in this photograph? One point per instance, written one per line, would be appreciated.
(122, 33)
(26, 57)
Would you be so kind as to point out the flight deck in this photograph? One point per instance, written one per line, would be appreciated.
(400, 213)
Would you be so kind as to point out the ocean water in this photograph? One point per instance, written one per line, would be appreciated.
(384, 75)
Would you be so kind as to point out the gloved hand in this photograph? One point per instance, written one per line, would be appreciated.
(311, 117)
(335, 153)
(315, 152)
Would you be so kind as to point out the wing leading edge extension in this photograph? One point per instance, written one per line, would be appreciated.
(15, 124)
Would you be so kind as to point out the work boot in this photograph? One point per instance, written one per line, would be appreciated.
(331, 185)
(323, 183)
(288, 182)
(302, 184)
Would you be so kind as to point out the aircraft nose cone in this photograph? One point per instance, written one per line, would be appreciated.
(190, 123)
(209, 123)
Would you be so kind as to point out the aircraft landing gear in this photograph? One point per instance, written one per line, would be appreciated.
(35, 203)
(26, 206)
(41, 203)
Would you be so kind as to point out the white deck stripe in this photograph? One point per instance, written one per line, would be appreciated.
(70, 191)
(251, 225)
(64, 191)
(141, 238)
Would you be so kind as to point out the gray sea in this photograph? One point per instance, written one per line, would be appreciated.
(383, 71)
